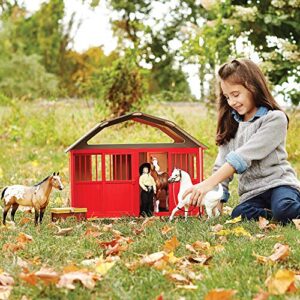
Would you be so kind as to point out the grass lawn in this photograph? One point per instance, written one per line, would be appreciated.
(33, 138)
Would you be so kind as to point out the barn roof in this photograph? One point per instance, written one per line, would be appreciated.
(181, 138)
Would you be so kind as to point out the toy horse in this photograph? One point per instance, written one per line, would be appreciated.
(210, 200)
(36, 196)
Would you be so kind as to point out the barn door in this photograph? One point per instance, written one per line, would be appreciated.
(119, 183)
(88, 187)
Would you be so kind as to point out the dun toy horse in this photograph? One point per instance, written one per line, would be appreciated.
(36, 196)
(161, 180)
(210, 200)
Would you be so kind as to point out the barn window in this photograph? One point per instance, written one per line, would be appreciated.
(118, 167)
(186, 162)
(88, 167)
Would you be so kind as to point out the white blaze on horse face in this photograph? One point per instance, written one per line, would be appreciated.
(56, 182)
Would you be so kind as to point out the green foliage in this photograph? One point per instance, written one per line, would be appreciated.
(23, 76)
(123, 86)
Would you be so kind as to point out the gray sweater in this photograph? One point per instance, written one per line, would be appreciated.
(258, 154)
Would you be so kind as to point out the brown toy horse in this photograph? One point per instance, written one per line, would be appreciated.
(36, 196)
(161, 180)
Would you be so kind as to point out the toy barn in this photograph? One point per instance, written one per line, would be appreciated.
(104, 178)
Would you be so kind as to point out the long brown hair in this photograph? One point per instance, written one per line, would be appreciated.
(248, 74)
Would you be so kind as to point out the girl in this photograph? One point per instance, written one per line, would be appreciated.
(251, 135)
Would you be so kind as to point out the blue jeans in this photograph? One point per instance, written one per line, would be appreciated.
(281, 203)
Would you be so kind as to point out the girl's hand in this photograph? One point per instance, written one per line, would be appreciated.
(197, 191)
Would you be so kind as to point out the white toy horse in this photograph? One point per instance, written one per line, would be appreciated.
(210, 201)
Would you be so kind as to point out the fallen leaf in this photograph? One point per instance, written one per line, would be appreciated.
(190, 248)
(240, 231)
(235, 220)
(24, 238)
(220, 294)
(198, 245)
(262, 223)
(137, 231)
(6, 279)
(30, 278)
(152, 258)
(261, 295)
(201, 259)
(103, 267)
(63, 231)
(217, 228)
(107, 227)
(281, 252)
(87, 279)
(47, 275)
(13, 247)
(178, 277)
(21, 263)
(24, 221)
(297, 223)
(166, 229)
(281, 282)
(187, 287)
(171, 244)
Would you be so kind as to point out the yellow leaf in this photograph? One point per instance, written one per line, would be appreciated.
(223, 232)
(103, 267)
(235, 220)
(281, 282)
(240, 231)
(171, 244)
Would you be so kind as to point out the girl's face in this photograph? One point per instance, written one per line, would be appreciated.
(239, 98)
(145, 170)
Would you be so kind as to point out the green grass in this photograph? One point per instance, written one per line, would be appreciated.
(33, 137)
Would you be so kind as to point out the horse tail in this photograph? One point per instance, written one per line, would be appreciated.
(3, 192)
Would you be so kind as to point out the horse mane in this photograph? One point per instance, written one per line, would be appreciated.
(42, 181)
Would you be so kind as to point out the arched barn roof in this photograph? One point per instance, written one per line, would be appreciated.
(181, 138)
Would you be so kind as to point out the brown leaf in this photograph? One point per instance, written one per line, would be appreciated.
(220, 294)
(87, 279)
(152, 258)
(115, 250)
(24, 238)
(24, 221)
(30, 278)
(261, 295)
(190, 248)
(282, 282)
(297, 223)
(217, 228)
(13, 247)
(63, 231)
(178, 277)
(171, 244)
(262, 222)
(201, 259)
(281, 252)
(47, 275)
(198, 245)
(166, 229)
(137, 231)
